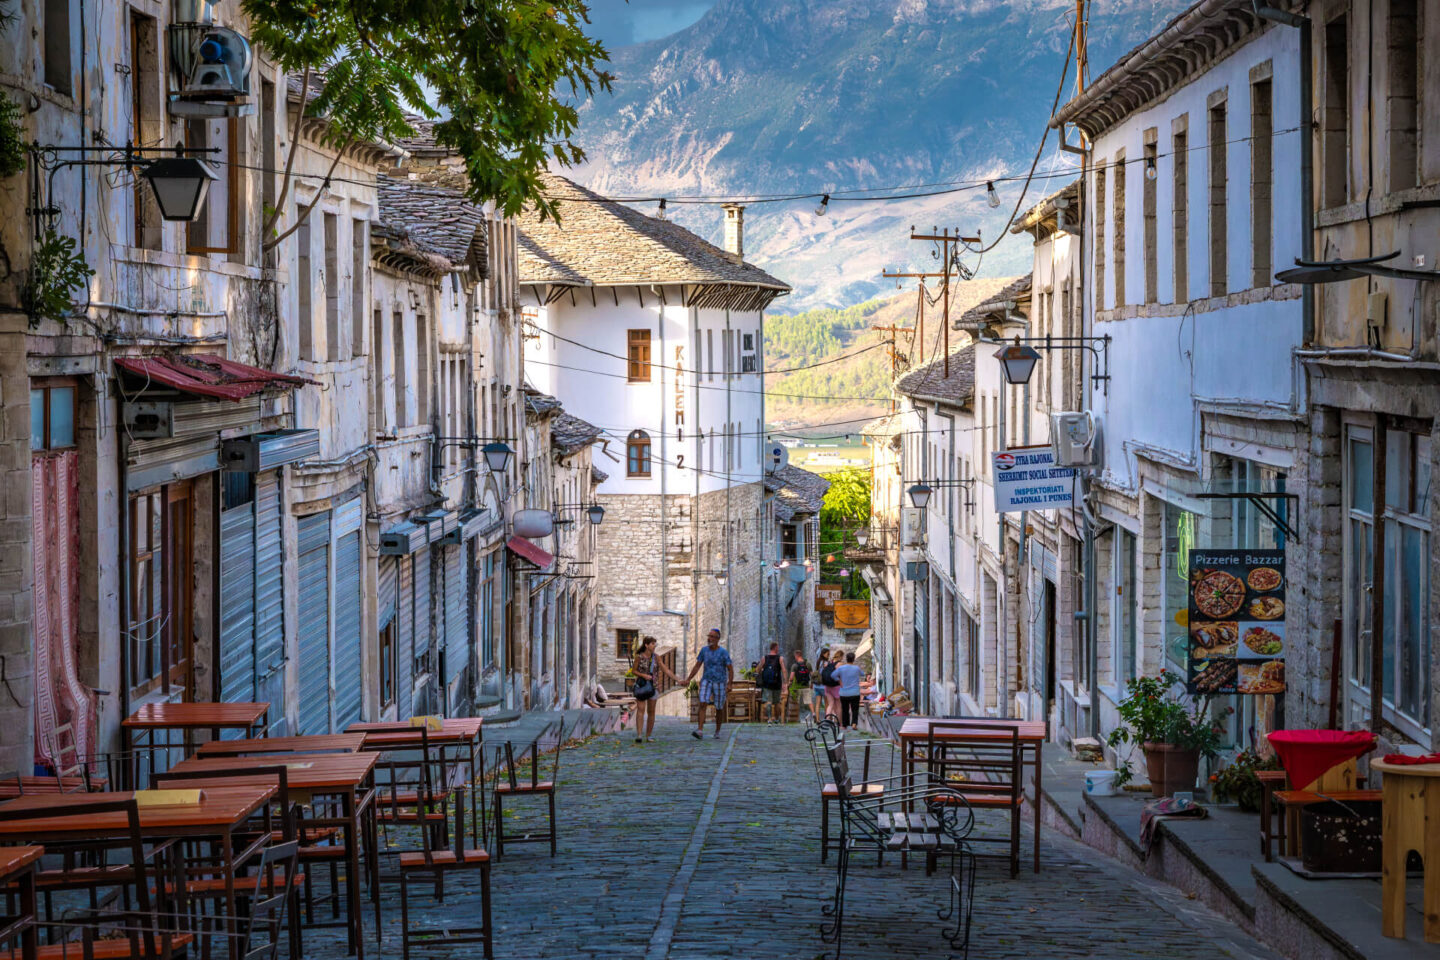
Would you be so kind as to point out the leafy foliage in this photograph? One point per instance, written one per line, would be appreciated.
(845, 507)
(500, 69)
(56, 269)
(12, 138)
(1238, 781)
(1153, 712)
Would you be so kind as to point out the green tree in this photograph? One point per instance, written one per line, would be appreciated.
(846, 506)
(507, 72)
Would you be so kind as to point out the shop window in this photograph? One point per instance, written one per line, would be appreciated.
(639, 356)
(52, 415)
(389, 664)
(637, 454)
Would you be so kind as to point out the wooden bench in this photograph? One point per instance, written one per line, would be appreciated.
(1279, 823)
(1291, 802)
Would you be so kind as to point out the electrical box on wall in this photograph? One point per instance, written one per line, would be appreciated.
(912, 526)
(1074, 439)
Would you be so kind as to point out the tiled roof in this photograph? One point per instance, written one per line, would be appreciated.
(886, 426)
(438, 219)
(603, 243)
(1017, 290)
(540, 403)
(931, 383)
(1042, 215)
(598, 476)
(796, 491)
(569, 433)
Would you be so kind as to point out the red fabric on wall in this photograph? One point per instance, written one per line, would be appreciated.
(60, 697)
(1308, 754)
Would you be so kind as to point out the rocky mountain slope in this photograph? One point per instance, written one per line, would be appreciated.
(789, 96)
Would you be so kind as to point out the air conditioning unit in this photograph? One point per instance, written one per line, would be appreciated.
(912, 526)
(1074, 439)
(212, 65)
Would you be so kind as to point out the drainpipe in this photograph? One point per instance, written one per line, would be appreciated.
(729, 468)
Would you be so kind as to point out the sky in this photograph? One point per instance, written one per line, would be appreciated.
(618, 23)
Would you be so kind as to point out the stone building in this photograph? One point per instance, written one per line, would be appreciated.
(655, 336)
(790, 561)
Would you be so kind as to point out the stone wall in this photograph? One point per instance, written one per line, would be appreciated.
(16, 566)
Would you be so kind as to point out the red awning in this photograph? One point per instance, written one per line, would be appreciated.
(528, 551)
(206, 375)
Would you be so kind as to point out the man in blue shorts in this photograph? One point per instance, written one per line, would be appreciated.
(714, 682)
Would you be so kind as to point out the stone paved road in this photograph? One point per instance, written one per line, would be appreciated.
(664, 855)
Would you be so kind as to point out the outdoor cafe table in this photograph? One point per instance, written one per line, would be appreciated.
(221, 813)
(313, 744)
(1409, 820)
(457, 739)
(348, 777)
(915, 731)
(17, 868)
(139, 730)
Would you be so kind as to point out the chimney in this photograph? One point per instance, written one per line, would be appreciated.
(735, 231)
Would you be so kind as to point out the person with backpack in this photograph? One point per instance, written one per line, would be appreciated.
(772, 678)
(831, 683)
(801, 678)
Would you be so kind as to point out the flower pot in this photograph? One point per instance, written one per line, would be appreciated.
(1171, 768)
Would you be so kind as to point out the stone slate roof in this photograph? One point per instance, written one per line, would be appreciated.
(437, 219)
(603, 243)
(886, 426)
(598, 476)
(1017, 290)
(1041, 217)
(796, 491)
(569, 433)
(930, 382)
(540, 404)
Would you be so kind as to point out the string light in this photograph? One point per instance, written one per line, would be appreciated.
(660, 210)
(1150, 172)
(991, 197)
(824, 205)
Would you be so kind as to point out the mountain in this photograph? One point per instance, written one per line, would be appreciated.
(801, 96)
(836, 354)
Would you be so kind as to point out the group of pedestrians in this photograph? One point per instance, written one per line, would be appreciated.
(833, 687)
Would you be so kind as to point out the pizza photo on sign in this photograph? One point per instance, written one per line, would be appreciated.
(1264, 579)
(1218, 594)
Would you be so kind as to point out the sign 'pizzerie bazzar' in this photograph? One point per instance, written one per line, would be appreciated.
(1236, 620)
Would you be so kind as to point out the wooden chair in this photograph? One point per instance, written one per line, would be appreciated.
(510, 783)
(433, 865)
(984, 764)
(141, 935)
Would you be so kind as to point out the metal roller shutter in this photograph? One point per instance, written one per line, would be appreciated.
(270, 601)
(405, 612)
(349, 641)
(313, 624)
(237, 604)
(457, 633)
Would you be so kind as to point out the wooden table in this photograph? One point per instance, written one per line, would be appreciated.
(139, 730)
(17, 867)
(316, 744)
(915, 731)
(347, 777)
(1409, 820)
(221, 813)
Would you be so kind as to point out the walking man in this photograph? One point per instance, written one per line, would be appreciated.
(848, 674)
(714, 682)
(772, 679)
(800, 674)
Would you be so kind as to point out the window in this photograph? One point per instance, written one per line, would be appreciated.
(52, 415)
(332, 287)
(158, 628)
(1404, 93)
(268, 141)
(57, 45)
(216, 229)
(422, 370)
(1147, 201)
(625, 643)
(1099, 235)
(639, 354)
(1118, 240)
(637, 454)
(487, 611)
(359, 260)
(748, 357)
(727, 343)
(398, 364)
(1261, 177)
(789, 542)
(145, 122)
(303, 291)
(1179, 539)
(1219, 284)
(1335, 127)
(1122, 607)
(377, 370)
(389, 664)
(970, 653)
(710, 349)
(1180, 211)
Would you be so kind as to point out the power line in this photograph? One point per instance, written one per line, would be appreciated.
(767, 393)
(711, 373)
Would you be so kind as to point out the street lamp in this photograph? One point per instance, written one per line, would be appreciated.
(720, 577)
(920, 495)
(497, 458)
(180, 185)
(1017, 361)
(862, 536)
(596, 513)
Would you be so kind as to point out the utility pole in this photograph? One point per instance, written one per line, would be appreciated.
(948, 241)
(894, 331)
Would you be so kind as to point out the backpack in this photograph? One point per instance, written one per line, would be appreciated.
(802, 673)
(827, 675)
(770, 672)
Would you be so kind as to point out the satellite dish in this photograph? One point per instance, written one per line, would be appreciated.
(776, 456)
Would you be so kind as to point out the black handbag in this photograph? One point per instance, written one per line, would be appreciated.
(644, 689)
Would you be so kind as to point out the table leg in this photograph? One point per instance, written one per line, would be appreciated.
(352, 874)
(1039, 768)
(1393, 852)
(1430, 791)
(227, 847)
(29, 943)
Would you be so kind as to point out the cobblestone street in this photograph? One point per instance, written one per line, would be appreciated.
(685, 849)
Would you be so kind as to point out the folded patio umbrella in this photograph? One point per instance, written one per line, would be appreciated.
(1307, 754)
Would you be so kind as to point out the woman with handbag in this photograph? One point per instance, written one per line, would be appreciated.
(647, 669)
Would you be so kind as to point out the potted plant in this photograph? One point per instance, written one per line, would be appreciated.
(1173, 734)
(1238, 780)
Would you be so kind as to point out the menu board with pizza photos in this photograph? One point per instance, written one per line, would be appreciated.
(1237, 622)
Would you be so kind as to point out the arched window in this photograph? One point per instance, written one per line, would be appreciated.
(637, 454)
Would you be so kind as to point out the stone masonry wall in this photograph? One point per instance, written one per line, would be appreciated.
(16, 566)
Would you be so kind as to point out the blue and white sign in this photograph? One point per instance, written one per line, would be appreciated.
(1026, 478)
